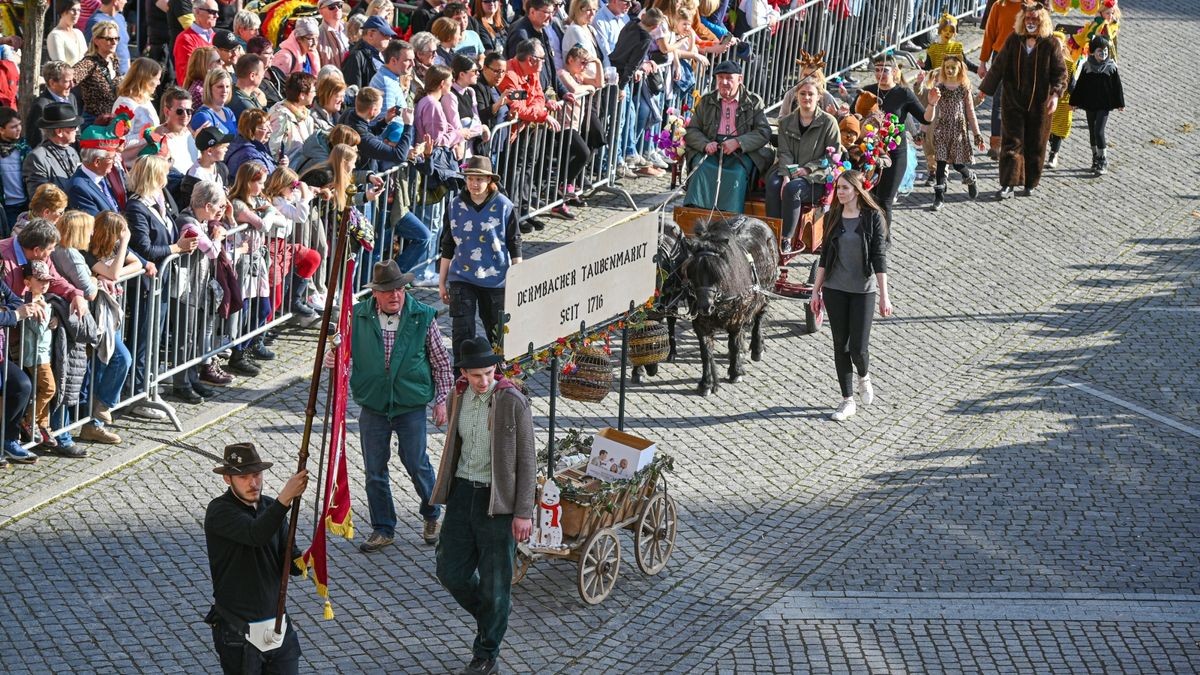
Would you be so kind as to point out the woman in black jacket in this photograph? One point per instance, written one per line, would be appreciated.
(852, 271)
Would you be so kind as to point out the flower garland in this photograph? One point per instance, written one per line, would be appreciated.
(871, 148)
(522, 368)
(670, 138)
(602, 495)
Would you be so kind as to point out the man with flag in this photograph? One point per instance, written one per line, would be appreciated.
(246, 532)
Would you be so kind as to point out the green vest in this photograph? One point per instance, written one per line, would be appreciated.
(406, 384)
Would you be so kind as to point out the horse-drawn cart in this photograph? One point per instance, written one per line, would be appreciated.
(806, 240)
(593, 514)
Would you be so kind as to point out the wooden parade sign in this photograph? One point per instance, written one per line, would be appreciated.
(590, 280)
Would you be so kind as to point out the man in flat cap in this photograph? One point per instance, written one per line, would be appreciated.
(729, 136)
(246, 532)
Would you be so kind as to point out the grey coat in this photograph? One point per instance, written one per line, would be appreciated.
(514, 458)
(68, 351)
(49, 163)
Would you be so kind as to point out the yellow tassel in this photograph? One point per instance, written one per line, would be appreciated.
(328, 610)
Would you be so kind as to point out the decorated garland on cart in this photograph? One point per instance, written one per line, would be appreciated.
(603, 495)
(566, 347)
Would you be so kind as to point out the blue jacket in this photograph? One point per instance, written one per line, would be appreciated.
(85, 195)
(373, 152)
(242, 150)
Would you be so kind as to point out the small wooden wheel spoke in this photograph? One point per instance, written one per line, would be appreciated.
(520, 567)
(654, 537)
(599, 565)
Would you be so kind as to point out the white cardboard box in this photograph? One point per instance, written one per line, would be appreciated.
(618, 455)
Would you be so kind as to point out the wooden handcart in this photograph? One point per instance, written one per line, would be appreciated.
(592, 515)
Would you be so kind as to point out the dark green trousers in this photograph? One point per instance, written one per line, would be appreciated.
(475, 563)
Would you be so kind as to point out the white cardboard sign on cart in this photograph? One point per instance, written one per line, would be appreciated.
(619, 455)
(590, 280)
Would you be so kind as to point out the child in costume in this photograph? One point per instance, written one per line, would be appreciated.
(934, 54)
(1098, 91)
(955, 117)
(1107, 23)
(1060, 125)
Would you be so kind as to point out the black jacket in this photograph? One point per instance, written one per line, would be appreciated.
(522, 29)
(33, 133)
(360, 64)
(245, 554)
(874, 248)
(633, 44)
(69, 350)
(1098, 87)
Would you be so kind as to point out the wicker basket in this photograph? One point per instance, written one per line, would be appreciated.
(592, 379)
(649, 344)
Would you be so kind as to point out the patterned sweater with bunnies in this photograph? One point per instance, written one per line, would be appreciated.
(480, 240)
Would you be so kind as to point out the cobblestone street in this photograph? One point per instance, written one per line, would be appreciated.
(1022, 496)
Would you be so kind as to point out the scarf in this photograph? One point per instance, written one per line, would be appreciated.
(8, 147)
(1105, 68)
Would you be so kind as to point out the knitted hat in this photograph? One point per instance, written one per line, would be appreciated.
(307, 262)
(850, 123)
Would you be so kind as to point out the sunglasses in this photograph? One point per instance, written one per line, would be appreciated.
(108, 38)
(207, 11)
(498, 71)
(336, 5)
(186, 112)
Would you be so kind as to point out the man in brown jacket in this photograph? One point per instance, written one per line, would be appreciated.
(486, 481)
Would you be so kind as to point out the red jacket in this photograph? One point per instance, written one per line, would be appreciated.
(533, 107)
(185, 44)
(10, 269)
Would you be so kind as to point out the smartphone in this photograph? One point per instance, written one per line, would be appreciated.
(518, 95)
(396, 109)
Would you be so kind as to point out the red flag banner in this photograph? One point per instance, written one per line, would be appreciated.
(335, 513)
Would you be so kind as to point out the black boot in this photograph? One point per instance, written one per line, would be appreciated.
(1052, 159)
(241, 364)
(939, 196)
(300, 307)
(972, 183)
(1095, 160)
(1101, 161)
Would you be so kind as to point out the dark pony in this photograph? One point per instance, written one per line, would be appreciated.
(731, 264)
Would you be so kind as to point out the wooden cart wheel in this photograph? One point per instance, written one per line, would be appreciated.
(521, 565)
(599, 564)
(654, 537)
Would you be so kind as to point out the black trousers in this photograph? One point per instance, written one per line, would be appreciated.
(467, 300)
(239, 657)
(1097, 120)
(17, 390)
(941, 173)
(850, 316)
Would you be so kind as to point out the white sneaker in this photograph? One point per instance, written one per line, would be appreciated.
(866, 392)
(636, 161)
(657, 159)
(317, 300)
(147, 413)
(844, 411)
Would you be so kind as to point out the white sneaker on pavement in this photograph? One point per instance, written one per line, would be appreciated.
(866, 392)
(147, 413)
(844, 411)
(657, 159)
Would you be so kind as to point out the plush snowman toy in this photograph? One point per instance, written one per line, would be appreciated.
(548, 528)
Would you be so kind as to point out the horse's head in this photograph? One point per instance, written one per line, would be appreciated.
(705, 275)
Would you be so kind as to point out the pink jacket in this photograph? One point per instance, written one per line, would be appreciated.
(288, 58)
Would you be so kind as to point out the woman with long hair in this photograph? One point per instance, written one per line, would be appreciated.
(65, 42)
(110, 260)
(487, 20)
(252, 208)
(851, 274)
(896, 98)
(96, 72)
(202, 61)
(218, 88)
(135, 94)
(798, 178)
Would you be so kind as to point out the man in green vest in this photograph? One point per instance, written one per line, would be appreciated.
(399, 366)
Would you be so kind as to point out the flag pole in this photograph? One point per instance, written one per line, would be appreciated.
(310, 410)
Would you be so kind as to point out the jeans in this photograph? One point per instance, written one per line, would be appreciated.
(467, 300)
(376, 432)
(850, 316)
(237, 656)
(475, 561)
(416, 237)
(629, 113)
(110, 377)
(17, 390)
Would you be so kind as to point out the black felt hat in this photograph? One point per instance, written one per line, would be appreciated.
(241, 459)
(476, 352)
(59, 116)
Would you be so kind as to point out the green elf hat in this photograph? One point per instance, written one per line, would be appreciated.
(156, 144)
(107, 134)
